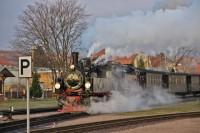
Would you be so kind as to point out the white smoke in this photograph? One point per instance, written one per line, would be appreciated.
(150, 31)
(127, 96)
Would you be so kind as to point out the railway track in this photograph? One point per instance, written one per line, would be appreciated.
(15, 125)
(116, 123)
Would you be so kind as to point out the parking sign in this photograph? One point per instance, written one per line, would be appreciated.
(25, 67)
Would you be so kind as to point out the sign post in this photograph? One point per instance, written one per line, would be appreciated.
(25, 71)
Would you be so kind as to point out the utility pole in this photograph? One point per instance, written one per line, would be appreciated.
(33, 48)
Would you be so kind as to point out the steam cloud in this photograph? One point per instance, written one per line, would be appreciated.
(127, 96)
(162, 26)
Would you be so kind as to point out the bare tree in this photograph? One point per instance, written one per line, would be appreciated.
(54, 28)
(177, 57)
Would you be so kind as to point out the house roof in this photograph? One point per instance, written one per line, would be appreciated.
(4, 72)
(124, 60)
(98, 54)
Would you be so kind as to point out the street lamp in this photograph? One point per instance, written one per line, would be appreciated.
(33, 48)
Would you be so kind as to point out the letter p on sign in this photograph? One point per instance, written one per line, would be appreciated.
(25, 67)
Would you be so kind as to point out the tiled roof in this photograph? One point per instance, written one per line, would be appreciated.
(156, 61)
(125, 60)
(98, 54)
(119, 59)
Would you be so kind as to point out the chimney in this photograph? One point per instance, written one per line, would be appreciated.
(75, 58)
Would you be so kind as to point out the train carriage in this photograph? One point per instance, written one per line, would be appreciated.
(150, 78)
(194, 84)
(153, 79)
(178, 83)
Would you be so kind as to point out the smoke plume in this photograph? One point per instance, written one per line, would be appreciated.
(127, 96)
(123, 27)
(164, 26)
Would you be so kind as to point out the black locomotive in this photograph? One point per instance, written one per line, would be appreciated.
(76, 88)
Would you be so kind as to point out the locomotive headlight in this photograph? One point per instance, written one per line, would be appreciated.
(87, 85)
(57, 86)
(72, 67)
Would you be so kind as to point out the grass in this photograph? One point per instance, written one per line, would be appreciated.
(21, 104)
(178, 108)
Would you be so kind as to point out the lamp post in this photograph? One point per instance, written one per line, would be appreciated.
(33, 48)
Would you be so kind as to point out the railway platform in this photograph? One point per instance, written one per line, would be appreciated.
(4, 119)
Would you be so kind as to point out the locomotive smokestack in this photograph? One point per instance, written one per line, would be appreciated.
(75, 58)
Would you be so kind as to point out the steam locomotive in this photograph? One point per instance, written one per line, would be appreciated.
(76, 89)
(86, 80)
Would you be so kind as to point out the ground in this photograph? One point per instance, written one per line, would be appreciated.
(179, 107)
(191, 125)
(174, 126)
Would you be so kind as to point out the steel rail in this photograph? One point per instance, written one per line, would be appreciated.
(116, 123)
(11, 126)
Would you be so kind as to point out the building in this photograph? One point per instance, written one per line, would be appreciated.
(187, 64)
(15, 87)
(4, 74)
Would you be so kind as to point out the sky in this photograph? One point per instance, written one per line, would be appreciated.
(123, 25)
(9, 12)
(11, 9)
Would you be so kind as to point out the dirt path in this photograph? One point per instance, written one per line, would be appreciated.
(175, 126)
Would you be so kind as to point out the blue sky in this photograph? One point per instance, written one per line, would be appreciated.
(11, 9)
(9, 12)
